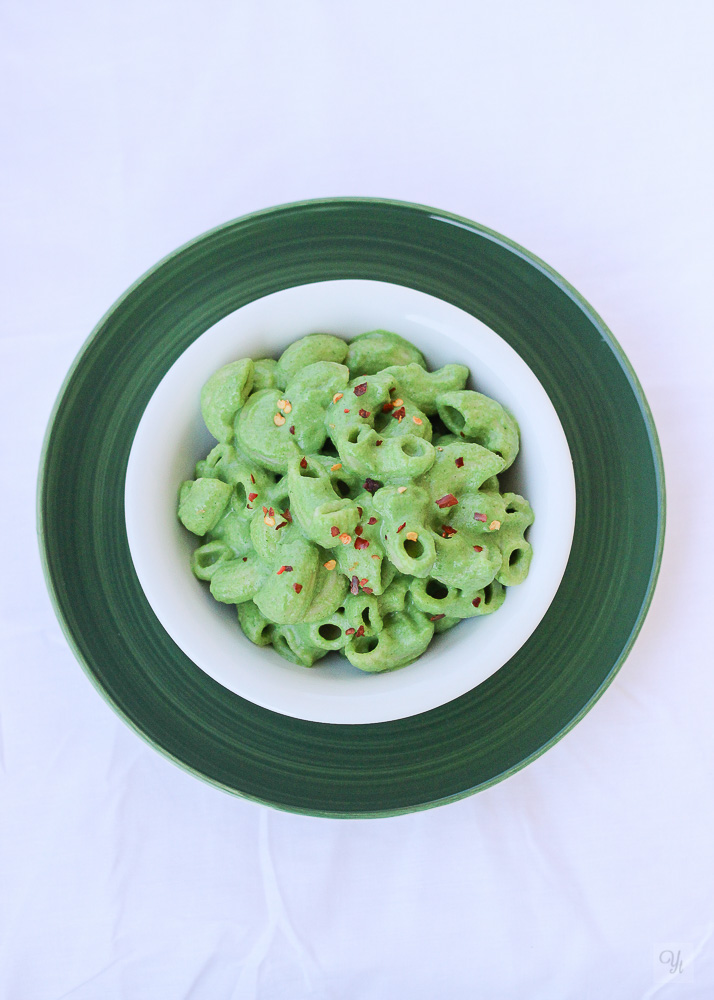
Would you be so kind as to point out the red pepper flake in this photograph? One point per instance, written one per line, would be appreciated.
(281, 525)
(252, 497)
(252, 478)
(334, 531)
(480, 517)
(363, 581)
(448, 500)
(349, 631)
(292, 429)
(287, 515)
(447, 531)
(436, 618)
(303, 463)
(364, 414)
(361, 543)
(358, 529)
(359, 632)
(271, 512)
(372, 485)
(245, 558)
(377, 443)
(359, 512)
(354, 585)
(265, 510)
(372, 520)
(360, 389)
(297, 587)
(387, 407)
(400, 414)
(347, 411)
(402, 525)
(476, 601)
(285, 569)
(367, 590)
(459, 462)
(478, 548)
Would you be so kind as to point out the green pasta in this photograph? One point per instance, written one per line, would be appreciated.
(352, 502)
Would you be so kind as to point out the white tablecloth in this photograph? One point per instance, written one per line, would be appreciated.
(584, 132)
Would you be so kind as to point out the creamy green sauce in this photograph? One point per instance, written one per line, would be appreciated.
(352, 502)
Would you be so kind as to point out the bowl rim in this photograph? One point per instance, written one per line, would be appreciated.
(479, 231)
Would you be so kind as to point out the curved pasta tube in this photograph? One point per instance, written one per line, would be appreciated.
(517, 552)
(434, 598)
(255, 625)
(263, 433)
(322, 515)
(408, 542)
(264, 372)
(423, 386)
(207, 558)
(404, 637)
(238, 580)
(308, 395)
(223, 395)
(287, 588)
(201, 504)
(307, 351)
(293, 643)
(479, 418)
(371, 352)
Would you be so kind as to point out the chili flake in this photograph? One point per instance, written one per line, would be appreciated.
(377, 443)
(364, 414)
(363, 581)
(480, 517)
(367, 590)
(287, 515)
(436, 618)
(359, 529)
(297, 587)
(281, 525)
(345, 538)
(478, 548)
(269, 520)
(337, 397)
(330, 564)
(448, 500)
(417, 420)
(354, 585)
(372, 520)
(336, 466)
(359, 511)
(399, 414)
(359, 632)
(361, 543)
(303, 462)
(288, 406)
(372, 485)
(349, 631)
(476, 601)
(412, 536)
(387, 407)
(459, 462)
(278, 420)
(334, 531)
(447, 531)
(347, 411)
(494, 526)
(252, 497)
(401, 489)
(252, 478)
(359, 390)
(245, 558)
(281, 404)
(285, 569)
(402, 525)
(292, 429)
(398, 402)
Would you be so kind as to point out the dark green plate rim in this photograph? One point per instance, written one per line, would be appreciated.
(385, 768)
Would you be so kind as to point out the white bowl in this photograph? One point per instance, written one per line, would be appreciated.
(171, 438)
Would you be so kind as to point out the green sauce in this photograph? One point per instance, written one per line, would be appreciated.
(352, 502)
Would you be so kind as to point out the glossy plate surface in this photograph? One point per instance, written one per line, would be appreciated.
(404, 764)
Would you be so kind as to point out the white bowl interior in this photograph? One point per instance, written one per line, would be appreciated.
(171, 438)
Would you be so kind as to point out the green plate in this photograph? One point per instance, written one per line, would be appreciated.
(384, 768)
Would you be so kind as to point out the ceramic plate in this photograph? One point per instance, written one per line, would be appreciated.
(403, 764)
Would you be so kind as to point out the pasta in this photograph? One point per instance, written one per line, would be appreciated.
(352, 502)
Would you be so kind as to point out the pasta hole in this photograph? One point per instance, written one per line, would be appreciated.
(413, 548)
(381, 420)
(340, 611)
(365, 643)
(412, 447)
(308, 473)
(511, 509)
(515, 557)
(487, 593)
(353, 434)
(341, 488)
(437, 590)
(365, 617)
(209, 557)
(241, 495)
(453, 418)
(330, 632)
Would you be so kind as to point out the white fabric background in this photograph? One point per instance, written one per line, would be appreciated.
(584, 133)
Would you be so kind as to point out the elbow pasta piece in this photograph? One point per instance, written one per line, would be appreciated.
(223, 395)
(371, 352)
(478, 418)
(423, 387)
(331, 519)
(308, 351)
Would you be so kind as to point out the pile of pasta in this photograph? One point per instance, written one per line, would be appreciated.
(352, 502)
